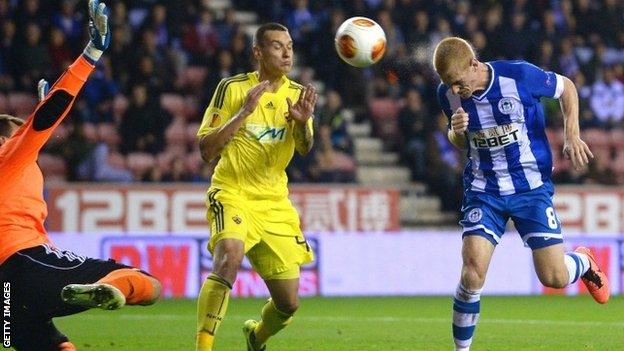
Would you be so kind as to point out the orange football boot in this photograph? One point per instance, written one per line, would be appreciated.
(66, 346)
(594, 279)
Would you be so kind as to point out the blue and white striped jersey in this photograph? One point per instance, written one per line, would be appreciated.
(508, 150)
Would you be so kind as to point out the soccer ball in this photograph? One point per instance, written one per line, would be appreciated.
(360, 41)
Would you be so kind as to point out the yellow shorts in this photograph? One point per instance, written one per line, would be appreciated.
(274, 243)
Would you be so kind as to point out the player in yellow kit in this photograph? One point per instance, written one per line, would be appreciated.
(255, 121)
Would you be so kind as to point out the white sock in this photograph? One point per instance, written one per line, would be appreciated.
(577, 264)
(466, 307)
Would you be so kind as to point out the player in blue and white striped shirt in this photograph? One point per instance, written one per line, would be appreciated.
(495, 114)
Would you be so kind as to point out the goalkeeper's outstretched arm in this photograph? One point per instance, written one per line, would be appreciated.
(24, 145)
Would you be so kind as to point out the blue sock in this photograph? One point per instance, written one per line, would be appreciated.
(466, 306)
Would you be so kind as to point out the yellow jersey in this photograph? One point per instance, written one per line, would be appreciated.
(253, 164)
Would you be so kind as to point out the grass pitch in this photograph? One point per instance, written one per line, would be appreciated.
(550, 323)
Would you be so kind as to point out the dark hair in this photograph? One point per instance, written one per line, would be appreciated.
(259, 36)
(6, 124)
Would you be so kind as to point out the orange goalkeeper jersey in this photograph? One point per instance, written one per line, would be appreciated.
(22, 208)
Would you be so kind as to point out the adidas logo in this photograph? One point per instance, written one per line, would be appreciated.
(270, 105)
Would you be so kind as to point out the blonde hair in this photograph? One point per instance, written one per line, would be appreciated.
(5, 124)
(452, 53)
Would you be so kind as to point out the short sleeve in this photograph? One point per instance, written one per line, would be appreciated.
(444, 102)
(541, 83)
(220, 109)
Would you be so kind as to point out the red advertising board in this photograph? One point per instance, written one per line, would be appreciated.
(180, 208)
(182, 264)
(597, 211)
(174, 261)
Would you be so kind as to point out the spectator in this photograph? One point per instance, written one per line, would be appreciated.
(395, 42)
(546, 57)
(607, 99)
(568, 61)
(99, 92)
(202, 40)
(417, 37)
(241, 53)
(299, 21)
(444, 167)
(143, 125)
(611, 23)
(157, 23)
(69, 22)
(332, 117)
(9, 71)
(228, 28)
(60, 53)
(104, 163)
(332, 166)
(414, 129)
(517, 43)
(33, 58)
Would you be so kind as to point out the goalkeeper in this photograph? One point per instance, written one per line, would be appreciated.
(40, 281)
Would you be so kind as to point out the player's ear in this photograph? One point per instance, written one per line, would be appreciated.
(257, 52)
(474, 63)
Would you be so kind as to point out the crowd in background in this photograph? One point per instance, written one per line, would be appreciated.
(138, 114)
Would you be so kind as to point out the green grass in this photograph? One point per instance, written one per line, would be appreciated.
(550, 323)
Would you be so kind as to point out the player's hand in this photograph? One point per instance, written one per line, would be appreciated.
(575, 150)
(459, 121)
(252, 98)
(99, 31)
(304, 108)
(42, 89)
(99, 27)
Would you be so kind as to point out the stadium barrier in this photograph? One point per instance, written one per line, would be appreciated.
(180, 208)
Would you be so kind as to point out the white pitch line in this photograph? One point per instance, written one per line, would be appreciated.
(368, 319)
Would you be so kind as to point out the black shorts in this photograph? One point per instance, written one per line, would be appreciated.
(32, 279)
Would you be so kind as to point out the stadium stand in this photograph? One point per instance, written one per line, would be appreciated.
(137, 117)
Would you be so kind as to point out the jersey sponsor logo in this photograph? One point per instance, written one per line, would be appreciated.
(267, 134)
(270, 105)
(496, 136)
(506, 105)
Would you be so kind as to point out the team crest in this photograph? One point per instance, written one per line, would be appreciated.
(237, 219)
(475, 215)
(506, 105)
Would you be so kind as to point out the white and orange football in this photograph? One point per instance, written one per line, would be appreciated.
(360, 41)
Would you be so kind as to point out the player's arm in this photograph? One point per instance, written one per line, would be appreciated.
(23, 147)
(574, 148)
(555, 86)
(304, 136)
(458, 120)
(301, 112)
(214, 137)
(457, 131)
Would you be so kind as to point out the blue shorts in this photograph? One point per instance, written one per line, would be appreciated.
(532, 212)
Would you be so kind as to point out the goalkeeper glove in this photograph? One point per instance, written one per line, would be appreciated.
(99, 30)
